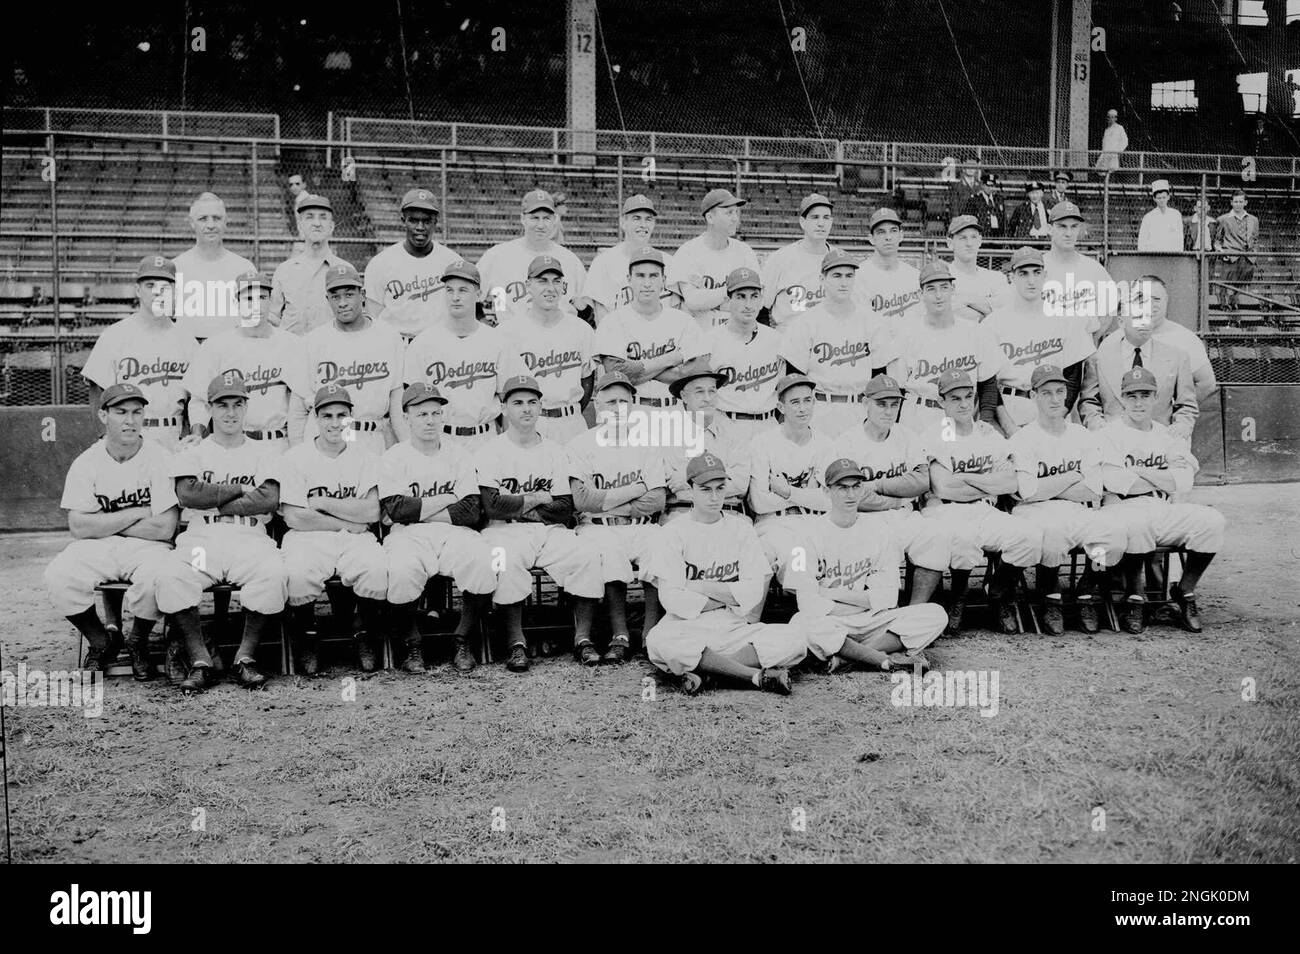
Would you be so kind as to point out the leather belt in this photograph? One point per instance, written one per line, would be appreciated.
(652, 401)
(1017, 392)
(746, 416)
(1158, 494)
(686, 505)
(927, 402)
(838, 398)
(792, 512)
(567, 410)
(231, 518)
(466, 431)
(618, 521)
(162, 422)
(366, 425)
(266, 435)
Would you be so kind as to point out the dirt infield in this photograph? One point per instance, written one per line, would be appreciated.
(1113, 748)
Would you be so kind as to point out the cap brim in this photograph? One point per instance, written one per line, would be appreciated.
(886, 393)
(546, 271)
(425, 400)
(754, 285)
(543, 207)
(708, 475)
(519, 387)
(227, 394)
(891, 221)
(122, 400)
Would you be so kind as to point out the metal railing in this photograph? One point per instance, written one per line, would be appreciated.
(164, 123)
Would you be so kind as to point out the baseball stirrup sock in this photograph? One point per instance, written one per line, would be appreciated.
(89, 625)
(255, 624)
(191, 627)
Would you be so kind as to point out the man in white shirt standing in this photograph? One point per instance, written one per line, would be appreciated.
(608, 285)
(504, 267)
(1114, 140)
(976, 290)
(404, 281)
(884, 282)
(298, 286)
(1162, 227)
(1074, 285)
(207, 273)
(698, 270)
(792, 274)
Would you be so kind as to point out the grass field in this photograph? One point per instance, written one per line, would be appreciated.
(567, 764)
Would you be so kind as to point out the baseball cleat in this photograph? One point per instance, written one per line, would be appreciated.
(308, 661)
(775, 680)
(691, 683)
(174, 663)
(464, 659)
(1089, 621)
(518, 661)
(95, 659)
(1053, 617)
(1008, 619)
(247, 675)
(1188, 615)
(1134, 618)
(955, 612)
(365, 653)
(414, 662)
(616, 653)
(198, 680)
(588, 654)
(140, 667)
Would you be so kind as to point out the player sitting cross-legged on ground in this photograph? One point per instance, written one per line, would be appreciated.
(712, 574)
(524, 484)
(846, 580)
(1058, 469)
(970, 465)
(229, 488)
(428, 492)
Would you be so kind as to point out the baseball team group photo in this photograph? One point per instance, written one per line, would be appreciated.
(412, 460)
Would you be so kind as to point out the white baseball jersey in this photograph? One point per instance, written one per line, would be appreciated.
(1028, 341)
(625, 333)
(897, 455)
(860, 558)
(207, 301)
(306, 472)
(985, 289)
(706, 268)
(922, 354)
(1070, 290)
(368, 362)
(607, 280)
(246, 465)
(128, 352)
(407, 472)
(96, 483)
(752, 367)
(511, 469)
(792, 282)
(974, 453)
(1124, 447)
(505, 266)
(892, 294)
(272, 367)
(725, 551)
(613, 467)
(469, 371)
(559, 356)
(801, 465)
(409, 287)
(837, 353)
(1040, 454)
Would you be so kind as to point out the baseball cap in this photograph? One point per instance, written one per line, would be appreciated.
(418, 199)
(537, 199)
(520, 382)
(612, 379)
(1027, 256)
(342, 275)
(1044, 374)
(252, 279)
(1160, 185)
(545, 263)
(227, 384)
(989, 178)
(117, 393)
(837, 257)
(1137, 379)
(332, 393)
(839, 469)
(646, 254)
(880, 217)
(743, 278)
(1062, 175)
(882, 385)
(952, 379)
(1033, 184)
(462, 269)
(705, 467)
(812, 201)
(638, 203)
(676, 386)
(935, 270)
(155, 266)
(1064, 210)
(793, 381)
(419, 392)
(964, 222)
(312, 201)
(719, 198)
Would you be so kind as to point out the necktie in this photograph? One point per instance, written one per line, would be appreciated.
(1137, 357)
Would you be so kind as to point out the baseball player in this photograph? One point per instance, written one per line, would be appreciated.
(609, 285)
(359, 354)
(1029, 340)
(712, 579)
(556, 348)
(428, 494)
(505, 266)
(792, 274)
(884, 282)
(1059, 477)
(270, 360)
(934, 342)
(1073, 283)
(703, 429)
(970, 465)
(839, 344)
(749, 355)
(329, 499)
(1142, 465)
(298, 286)
(122, 516)
(467, 359)
(524, 485)
(896, 467)
(698, 270)
(847, 586)
(229, 488)
(976, 290)
(404, 281)
(618, 492)
(785, 485)
(149, 351)
(648, 340)
(207, 274)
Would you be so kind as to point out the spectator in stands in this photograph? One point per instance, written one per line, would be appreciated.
(1236, 232)
(1114, 140)
(1162, 227)
(297, 189)
(1060, 190)
(1260, 143)
(1029, 221)
(206, 275)
(1151, 294)
(986, 207)
(560, 210)
(298, 286)
(960, 192)
(1200, 228)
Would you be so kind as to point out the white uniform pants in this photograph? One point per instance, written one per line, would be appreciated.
(72, 576)
(624, 548)
(1067, 524)
(1151, 522)
(915, 626)
(417, 552)
(977, 527)
(676, 645)
(224, 553)
(312, 556)
(518, 547)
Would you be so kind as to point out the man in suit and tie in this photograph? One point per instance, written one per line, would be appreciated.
(1029, 221)
(1132, 346)
(986, 206)
(965, 186)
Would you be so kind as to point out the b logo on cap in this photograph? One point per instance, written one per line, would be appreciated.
(422, 194)
(231, 378)
(710, 460)
(332, 388)
(158, 261)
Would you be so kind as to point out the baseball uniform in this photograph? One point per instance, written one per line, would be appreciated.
(96, 483)
(607, 281)
(469, 371)
(369, 363)
(752, 367)
(893, 294)
(779, 521)
(419, 551)
(559, 356)
(154, 360)
(1027, 341)
(978, 526)
(206, 303)
(505, 267)
(409, 287)
(1070, 290)
(840, 354)
(706, 268)
(922, 353)
(312, 556)
(984, 289)
(717, 438)
(519, 545)
(860, 558)
(626, 333)
(792, 277)
(725, 551)
(622, 535)
(218, 548)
